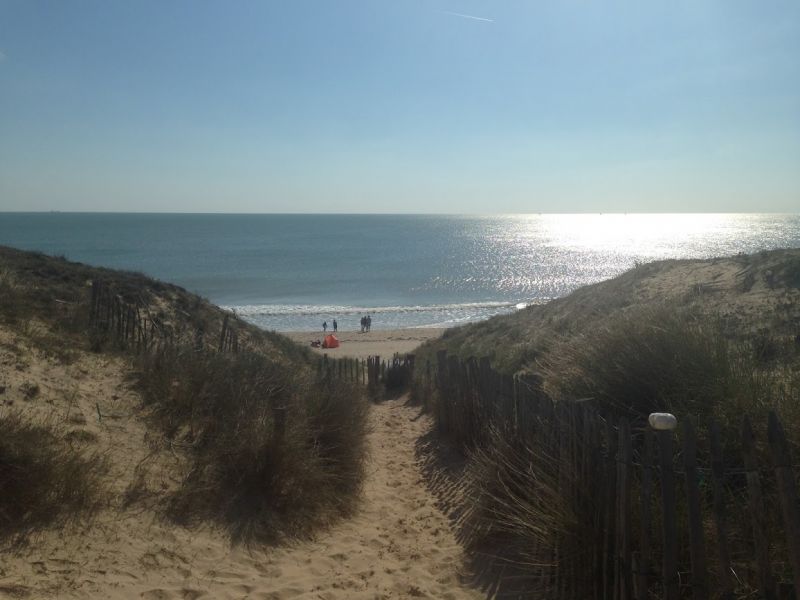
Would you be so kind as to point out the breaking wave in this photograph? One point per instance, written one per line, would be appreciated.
(308, 317)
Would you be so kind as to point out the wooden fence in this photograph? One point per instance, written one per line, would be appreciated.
(705, 513)
(228, 337)
(372, 372)
(132, 327)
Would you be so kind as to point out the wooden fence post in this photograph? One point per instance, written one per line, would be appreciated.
(718, 476)
(223, 334)
(766, 583)
(644, 563)
(118, 317)
(109, 310)
(94, 302)
(610, 504)
(625, 457)
(697, 549)
(787, 489)
(669, 523)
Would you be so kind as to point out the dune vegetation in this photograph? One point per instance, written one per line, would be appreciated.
(709, 341)
(250, 440)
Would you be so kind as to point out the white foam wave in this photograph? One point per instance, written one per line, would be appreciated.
(300, 310)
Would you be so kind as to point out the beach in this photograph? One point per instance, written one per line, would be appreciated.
(381, 342)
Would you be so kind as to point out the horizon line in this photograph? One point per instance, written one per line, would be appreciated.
(432, 214)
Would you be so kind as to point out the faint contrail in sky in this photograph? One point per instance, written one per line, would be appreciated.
(463, 16)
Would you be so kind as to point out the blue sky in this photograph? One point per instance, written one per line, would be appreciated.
(400, 106)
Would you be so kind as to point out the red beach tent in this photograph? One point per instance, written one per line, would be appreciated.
(330, 341)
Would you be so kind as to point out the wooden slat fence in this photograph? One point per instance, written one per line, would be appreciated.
(702, 512)
(132, 327)
(372, 372)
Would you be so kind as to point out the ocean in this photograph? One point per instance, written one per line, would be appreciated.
(291, 272)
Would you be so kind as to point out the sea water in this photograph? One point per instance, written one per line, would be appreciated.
(292, 272)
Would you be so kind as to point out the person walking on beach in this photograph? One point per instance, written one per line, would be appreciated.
(335, 326)
(324, 326)
(369, 322)
(363, 323)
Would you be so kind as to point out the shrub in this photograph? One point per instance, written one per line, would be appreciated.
(648, 360)
(271, 455)
(43, 479)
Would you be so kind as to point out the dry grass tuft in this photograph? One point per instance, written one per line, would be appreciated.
(532, 517)
(271, 455)
(637, 362)
(666, 359)
(44, 481)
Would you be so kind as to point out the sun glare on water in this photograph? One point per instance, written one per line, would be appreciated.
(649, 234)
(621, 230)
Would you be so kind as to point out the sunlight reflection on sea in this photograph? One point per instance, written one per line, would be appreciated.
(289, 272)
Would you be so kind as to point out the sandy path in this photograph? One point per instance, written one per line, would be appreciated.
(399, 545)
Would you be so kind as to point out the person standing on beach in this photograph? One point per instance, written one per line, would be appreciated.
(335, 326)
(369, 322)
(324, 326)
(363, 323)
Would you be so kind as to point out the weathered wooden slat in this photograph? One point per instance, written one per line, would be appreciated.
(669, 570)
(645, 555)
(697, 546)
(93, 302)
(787, 490)
(223, 333)
(609, 499)
(766, 583)
(595, 574)
(624, 460)
(718, 477)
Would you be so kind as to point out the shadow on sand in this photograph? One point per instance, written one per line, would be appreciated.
(443, 468)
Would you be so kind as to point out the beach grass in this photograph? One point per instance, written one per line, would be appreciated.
(45, 479)
(272, 453)
(266, 449)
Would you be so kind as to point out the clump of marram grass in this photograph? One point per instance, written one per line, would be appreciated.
(531, 517)
(44, 480)
(271, 455)
(654, 359)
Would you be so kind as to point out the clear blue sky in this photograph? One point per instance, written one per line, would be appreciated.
(400, 106)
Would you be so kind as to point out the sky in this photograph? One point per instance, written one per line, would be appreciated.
(419, 106)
